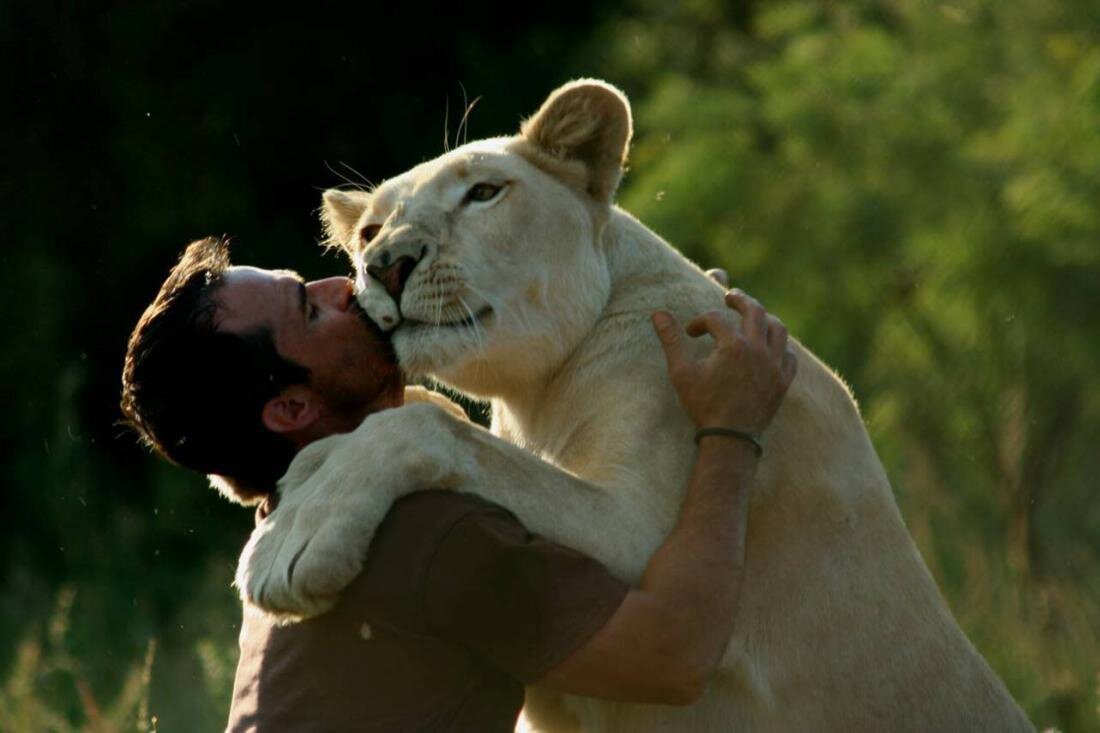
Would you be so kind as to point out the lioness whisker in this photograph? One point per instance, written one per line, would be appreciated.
(476, 325)
(464, 126)
(501, 309)
(355, 185)
(446, 124)
(366, 181)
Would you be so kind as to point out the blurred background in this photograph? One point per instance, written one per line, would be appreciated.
(913, 186)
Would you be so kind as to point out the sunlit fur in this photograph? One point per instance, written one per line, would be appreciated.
(840, 626)
(546, 293)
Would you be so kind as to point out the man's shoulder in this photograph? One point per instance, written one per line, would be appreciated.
(444, 501)
(437, 510)
(418, 530)
(419, 524)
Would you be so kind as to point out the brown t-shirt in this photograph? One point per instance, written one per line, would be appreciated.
(458, 607)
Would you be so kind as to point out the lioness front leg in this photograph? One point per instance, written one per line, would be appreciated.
(338, 490)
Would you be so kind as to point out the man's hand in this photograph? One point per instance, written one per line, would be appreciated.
(664, 642)
(741, 383)
(720, 276)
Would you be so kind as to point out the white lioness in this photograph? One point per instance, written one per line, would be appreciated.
(526, 286)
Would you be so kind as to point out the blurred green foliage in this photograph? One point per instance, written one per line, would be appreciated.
(915, 189)
(912, 186)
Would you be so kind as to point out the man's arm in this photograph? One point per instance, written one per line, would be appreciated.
(668, 635)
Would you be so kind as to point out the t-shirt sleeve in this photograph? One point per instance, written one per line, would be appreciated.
(519, 601)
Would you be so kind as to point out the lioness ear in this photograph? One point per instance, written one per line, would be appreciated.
(586, 121)
(340, 212)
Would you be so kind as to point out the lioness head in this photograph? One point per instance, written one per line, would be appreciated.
(491, 255)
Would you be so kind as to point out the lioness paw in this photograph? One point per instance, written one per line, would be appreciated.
(299, 559)
(312, 546)
(415, 393)
(332, 499)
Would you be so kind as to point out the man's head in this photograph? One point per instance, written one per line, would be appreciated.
(232, 369)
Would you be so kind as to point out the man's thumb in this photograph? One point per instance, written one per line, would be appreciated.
(671, 335)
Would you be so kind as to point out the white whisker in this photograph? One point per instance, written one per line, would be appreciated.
(446, 124)
(476, 326)
(369, 184)
(355, 185)
(463, 130)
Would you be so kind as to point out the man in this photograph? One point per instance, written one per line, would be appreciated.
(231, 370)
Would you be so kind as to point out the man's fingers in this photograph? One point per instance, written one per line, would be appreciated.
(777, 337)
(753, 316)
(788, 367)
(716, 323)
(671, 335)
(719, 276)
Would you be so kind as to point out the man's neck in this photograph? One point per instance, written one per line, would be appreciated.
(344, 420)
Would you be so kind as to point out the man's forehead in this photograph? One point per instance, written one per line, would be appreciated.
(251, 297)
(247, 272)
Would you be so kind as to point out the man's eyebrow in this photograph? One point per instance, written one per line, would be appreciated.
(299, 288)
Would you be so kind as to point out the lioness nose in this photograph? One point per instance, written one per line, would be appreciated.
(393, 275)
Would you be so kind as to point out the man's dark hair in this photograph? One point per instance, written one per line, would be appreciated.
(195, 394)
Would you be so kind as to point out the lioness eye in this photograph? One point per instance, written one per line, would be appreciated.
(369, 232)
(482, 192)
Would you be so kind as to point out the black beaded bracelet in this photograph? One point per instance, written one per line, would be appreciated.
(747, 437)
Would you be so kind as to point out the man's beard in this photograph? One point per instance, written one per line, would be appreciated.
(385, 376)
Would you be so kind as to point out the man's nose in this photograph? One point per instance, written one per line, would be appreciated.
(335, 292)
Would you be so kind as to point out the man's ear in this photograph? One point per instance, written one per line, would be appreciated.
(340, 212)
(587, 122)
(293, 410)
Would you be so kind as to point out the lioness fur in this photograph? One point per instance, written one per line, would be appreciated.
(538, 299)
